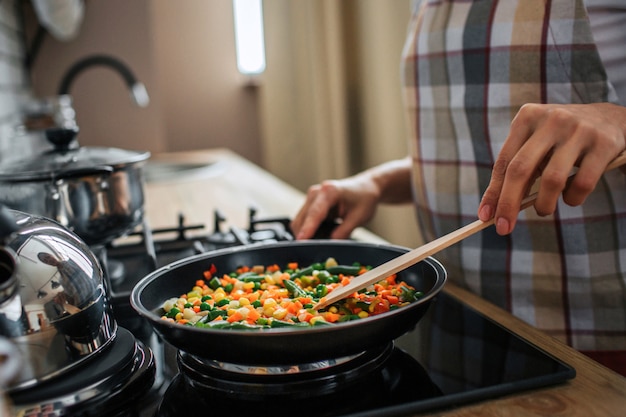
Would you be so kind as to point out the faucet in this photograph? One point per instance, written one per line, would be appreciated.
(138, 91)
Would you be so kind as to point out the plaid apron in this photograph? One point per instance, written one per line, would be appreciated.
(468, 66)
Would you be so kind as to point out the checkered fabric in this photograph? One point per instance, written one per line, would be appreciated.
(468, 66)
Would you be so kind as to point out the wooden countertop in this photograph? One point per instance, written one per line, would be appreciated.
(233, 185)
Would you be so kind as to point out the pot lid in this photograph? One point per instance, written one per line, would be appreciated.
(67, 158)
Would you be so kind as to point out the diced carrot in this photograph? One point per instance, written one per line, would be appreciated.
(292, 265)
(293, 307)
(272, 268)
(305, 300)
(391, 279)
(381, 307)
(242, 269)
(331, 317)
(305, 316)
(393, 299)
(208, 274)
(253, 315)
(236, 316)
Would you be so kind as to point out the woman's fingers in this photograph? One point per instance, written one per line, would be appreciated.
(319, 201)
(550, 141)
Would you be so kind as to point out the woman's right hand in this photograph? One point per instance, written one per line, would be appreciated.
(353, 200)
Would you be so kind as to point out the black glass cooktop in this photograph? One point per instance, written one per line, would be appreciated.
(469, 357)
(454, 356)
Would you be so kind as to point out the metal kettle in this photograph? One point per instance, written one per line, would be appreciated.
(54, 305)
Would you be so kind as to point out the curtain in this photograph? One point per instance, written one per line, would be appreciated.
(330, 99)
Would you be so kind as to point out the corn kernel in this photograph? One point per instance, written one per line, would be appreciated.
(269, 302)
(330, 262)
(243, 301)
(248, 285)
(280, 313)
(316, 319)
(333, 309)
(363, 314)
(268, 311)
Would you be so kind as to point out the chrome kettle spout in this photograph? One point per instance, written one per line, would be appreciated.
(138, 91)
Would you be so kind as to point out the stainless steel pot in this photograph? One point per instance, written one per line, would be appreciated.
(95, 192)
(53, 298)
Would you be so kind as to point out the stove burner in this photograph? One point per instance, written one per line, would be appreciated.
(371, 380)
(299, 369)
(297, 381)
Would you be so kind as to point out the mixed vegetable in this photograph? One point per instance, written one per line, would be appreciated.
(270, 296)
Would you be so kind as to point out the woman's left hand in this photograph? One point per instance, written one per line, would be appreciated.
(549, 140)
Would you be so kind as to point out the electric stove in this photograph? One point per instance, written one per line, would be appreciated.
(454, 356)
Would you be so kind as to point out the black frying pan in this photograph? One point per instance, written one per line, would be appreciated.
(284, 346)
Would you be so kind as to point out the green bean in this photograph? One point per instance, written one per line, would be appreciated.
(294, 289)
(344, 269)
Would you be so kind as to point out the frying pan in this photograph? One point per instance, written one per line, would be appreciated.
(285, 346)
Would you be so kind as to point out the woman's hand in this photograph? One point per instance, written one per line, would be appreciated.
(549, 140)
(352, 200)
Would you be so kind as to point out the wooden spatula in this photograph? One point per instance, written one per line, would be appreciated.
(416, 255)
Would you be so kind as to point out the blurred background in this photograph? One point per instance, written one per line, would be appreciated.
(327, 104)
